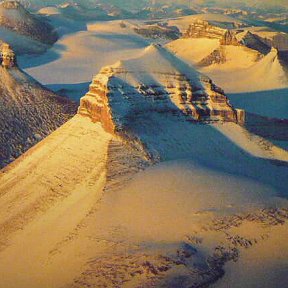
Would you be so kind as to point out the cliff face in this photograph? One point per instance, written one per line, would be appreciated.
(156, 82)
(96, 103)
(202, 29)
(278, 40)
(229, 38)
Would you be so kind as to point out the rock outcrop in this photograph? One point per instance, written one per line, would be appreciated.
(156, 82)
(229, 38)
(202, 29)
(263, 40)
(158, 32)
(253, 41)
(278, 40)
(96, 103)
(218, 56)
(7, 56)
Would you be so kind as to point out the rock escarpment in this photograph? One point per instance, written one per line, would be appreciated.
(263, 41)
(155, 82)
(202, 29)
(279, 40)
(95, 103)
(155, 31)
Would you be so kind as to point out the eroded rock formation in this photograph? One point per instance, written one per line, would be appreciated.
(7, 56)
(253, 41)
(95, 103)
(121, 92)
(216, 57)
(202, 29)
(229, 38)
(158, 32)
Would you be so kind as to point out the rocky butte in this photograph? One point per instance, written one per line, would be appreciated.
(202, 29)
(157, 82)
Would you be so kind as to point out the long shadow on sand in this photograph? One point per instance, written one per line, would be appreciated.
(53, 54)
(271, 103)
(168, 134)
(72, 91)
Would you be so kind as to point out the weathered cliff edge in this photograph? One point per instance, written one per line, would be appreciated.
(155, 82)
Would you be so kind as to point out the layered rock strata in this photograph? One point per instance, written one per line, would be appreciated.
(202, 29)
(121, 92)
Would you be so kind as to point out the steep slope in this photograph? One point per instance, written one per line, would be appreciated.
(256, 83)
(253, 41)
(269, 69)
(29, 112)
(13, 16)
(272, 38)
(206, 52)
(202, 29)
(235, 68)
(221, 44)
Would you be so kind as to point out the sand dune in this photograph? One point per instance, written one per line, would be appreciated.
(43, 199)
(84, 53)
(268, 69)
(66, 204)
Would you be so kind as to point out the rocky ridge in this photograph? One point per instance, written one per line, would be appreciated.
(120, 92)
(156, 31)
(261, 41)
(28, 111)
(253, 41)
(202, 29)
(278, 40)
(14, 17)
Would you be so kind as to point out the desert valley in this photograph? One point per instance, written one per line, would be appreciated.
(143, 144)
